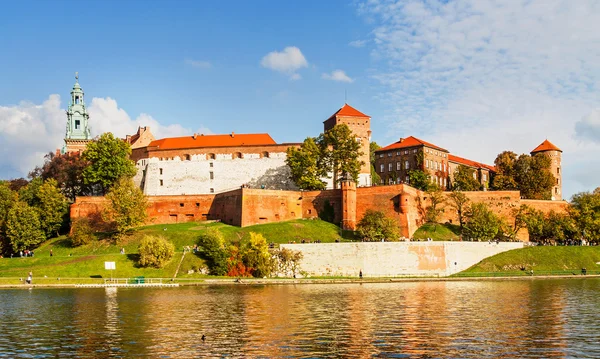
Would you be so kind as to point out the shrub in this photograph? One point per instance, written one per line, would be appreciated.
(213, 248)
(81, 232)
(155, 251)
(255, 254)
(376, 226)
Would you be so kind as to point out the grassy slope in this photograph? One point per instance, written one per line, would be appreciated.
(541, 259)
(88, 261)
(438, 232)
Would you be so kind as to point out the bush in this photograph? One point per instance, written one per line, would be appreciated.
(212, 244)
(376, 226)
(255, 254)
(81, 232)
(155, 251)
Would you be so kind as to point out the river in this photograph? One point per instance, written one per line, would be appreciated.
(526, 318)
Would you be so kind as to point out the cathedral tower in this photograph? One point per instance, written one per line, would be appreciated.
(555, 155)
(78, 130)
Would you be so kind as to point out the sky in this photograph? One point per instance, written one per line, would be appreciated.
(476, 77)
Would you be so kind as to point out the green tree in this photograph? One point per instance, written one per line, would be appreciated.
(52, 207)
(8, 198)
(464, 180)
(585, 211)
(126, 206)
(437, 201)
(375, 178)
(212, 243)
(255, 254)
(67, 170)
(108, 159)
(459, 202)
(288, 261)
(341, 152)
(376, 226)
(305, 165)
(419, 180)
(533, 176)
(23, 229)
(30, 193)
(155, 251)
(504, 180)
(81, 232)
(482, 223)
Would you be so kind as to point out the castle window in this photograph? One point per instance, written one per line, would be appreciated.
(210, 156)
(236, 155)
(557, 170)
(390, 167)
(77, 100)
(188, 157)
(381, 167)
(426, 163)
(77, 124)
(557, 181)
(484, 177)
(161, 182)
(389, 154)
(212, 190)
(212, 175)
(211, 164)
(181, 204)
(398, 153)
(160, 171)
(474, 175)
(197, 204)
(406, 152)
(407, 179)
(406, 165)
(398, 166)
(265, 154)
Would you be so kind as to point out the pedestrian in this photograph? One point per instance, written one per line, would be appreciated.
(360, 273)
(30, 278)
(51, 254)
(122, 250)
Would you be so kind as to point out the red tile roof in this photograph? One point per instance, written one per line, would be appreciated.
(466, 162)
(200, 141)
(348, 111)
(546, 146)
(410, 142)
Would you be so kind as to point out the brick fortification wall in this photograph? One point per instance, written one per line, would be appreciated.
(246, 206)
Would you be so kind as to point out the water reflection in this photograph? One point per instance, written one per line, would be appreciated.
(503, 319)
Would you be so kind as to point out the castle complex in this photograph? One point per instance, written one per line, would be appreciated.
(243, 179)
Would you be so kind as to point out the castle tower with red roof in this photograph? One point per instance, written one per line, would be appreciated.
(555, 155)
(360, 125)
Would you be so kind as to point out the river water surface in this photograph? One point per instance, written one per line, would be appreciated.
(472, 319)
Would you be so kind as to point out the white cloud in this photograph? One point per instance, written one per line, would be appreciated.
(28, 131)
(337, 75)
(198, 64)
(358, 43)
(588, 128)
(287, 61)
(479, 77)
(295, 77)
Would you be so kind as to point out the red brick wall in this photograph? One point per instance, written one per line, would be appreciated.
(314, 203)
(265, 206)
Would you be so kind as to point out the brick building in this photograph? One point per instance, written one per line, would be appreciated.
(555, 155)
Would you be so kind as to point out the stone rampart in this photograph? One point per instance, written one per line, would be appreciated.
(394, 259)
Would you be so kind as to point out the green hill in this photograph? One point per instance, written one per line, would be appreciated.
(541, 259)
(88, 261)
(438, 232)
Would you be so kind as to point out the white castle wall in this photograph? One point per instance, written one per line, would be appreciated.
(181, 177)
(393, 259)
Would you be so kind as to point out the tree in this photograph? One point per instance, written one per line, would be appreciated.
(288, 261)
(255, 254)
(305, 165)
(52, 207)
(375, 178)
(108, 159)
(213, 248)
(585, 211)
(17, 183)
(67, 170)
(81, 232)
(459, 202)
(419, 179)
(435, 209)
(155, 251)
(341, 152)
(376, 226)
(481, 222)
(504, 178)
(464, 180)
(8, 198)
(126, 206)
(533, 176)
(30, 193)
(23, 228)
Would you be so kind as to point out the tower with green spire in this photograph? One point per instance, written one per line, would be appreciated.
(78, 130)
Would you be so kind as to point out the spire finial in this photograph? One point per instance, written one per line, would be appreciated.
(76, 76)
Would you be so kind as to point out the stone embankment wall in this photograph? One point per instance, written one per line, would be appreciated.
(393, 259)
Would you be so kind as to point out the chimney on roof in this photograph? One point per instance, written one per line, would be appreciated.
(195, 135)
(232, 134)
(401, 139)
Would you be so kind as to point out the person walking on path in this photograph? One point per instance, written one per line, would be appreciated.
(30, 278)
(360, 273)
(51, 254)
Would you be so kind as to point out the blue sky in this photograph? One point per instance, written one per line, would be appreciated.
(474, 76)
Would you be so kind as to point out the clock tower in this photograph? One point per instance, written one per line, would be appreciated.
(78, 130)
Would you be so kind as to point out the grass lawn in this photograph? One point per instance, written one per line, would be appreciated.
(540, 259)
(88, 261)
(438, 232)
